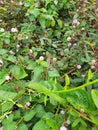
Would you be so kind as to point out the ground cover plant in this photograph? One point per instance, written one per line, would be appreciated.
(48, 65)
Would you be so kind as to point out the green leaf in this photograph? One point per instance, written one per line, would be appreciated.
(59, 99)
(60, 23)
(3, 51)
(18, 72)
(11, 58)
(80, 99)
(37, 73)
(95, 97)
(3, 75)
(8, 120)
(22, 126)
(29, 115)
(40, 112)
(5, 95)
(35, 12)
(67, 80)
(53, 73)
(42, 22)
(38, 87)
(6, 106)
(40, 125)
(9, 126)
(76, 122)
(90, 75)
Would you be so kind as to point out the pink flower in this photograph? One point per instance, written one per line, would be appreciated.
(63, 128)
(14, 30)
(41, 58)
(69, 44)
(75, 22)
(78, 66)
(68, 39)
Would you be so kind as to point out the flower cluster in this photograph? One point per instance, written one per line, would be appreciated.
(75, 23)
(69, 41)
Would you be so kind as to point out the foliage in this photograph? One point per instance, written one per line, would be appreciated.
(48, 65)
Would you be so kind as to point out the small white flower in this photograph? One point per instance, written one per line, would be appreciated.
(75, 44)
(82, 110)
(19, 37)
(54, 59)
(74, 26)
(93, 67)
(69, 39)
(41, 58)
(78, 66)
(27, 37)
(8, 77)
(14, 30)
(27, 104)
(69, 44)
(63, 128)
(30, 51)
(12, 52)
(82, 28)
(20, 3)
(17, 45)
(68, 122)
(83, 75)
(1, 61)
(1, 20)
(1, 29)
(62, 112)
(93, 62)
(75, 21)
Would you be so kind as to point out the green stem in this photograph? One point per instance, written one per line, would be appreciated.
(76, 88)
(86, 118)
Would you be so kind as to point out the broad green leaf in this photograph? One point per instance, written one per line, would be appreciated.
(18, 72)
(59, 99)
(75, 122)
(38, 87)
(5, 95)
(40, 112)
(95, 97)
(11, 58)
(80, 99)
(42, 22)
(53, 73)
(7, 106)
(3, 51)
(22, 126)
(37, 73)
(29, 115)
(3, 75)
(35, 12)
(10, 126)
(7, 40)
(40, 125)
